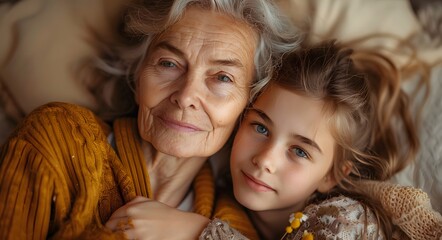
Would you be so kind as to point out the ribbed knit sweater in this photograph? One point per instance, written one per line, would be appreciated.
(61, 179)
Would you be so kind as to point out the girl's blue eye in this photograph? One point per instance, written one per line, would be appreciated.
(261, 129)
(300, 153)
(167, 64)
(224, 78)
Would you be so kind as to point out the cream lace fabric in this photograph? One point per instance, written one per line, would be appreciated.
(338, 218)
(335, 218)
(344, 218)
(220, 230)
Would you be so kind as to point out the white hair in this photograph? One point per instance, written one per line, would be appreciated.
(146, 19)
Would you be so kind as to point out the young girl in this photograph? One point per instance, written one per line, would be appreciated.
(327, 122)
(308, 146)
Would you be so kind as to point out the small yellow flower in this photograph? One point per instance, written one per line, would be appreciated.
(296, 219)
(307, 236)
(296, 223)
(289, 229)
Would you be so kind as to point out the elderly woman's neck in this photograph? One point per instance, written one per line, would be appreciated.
(170, 176)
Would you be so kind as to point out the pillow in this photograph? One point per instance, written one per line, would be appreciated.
(46, 44)
(426, 171)
(349, 20)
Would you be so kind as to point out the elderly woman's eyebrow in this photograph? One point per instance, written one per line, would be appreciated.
(233, 62)
(168, 46)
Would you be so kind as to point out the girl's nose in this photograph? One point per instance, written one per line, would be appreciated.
(266, 160)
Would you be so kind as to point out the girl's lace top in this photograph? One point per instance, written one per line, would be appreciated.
(344, 218)
(336, 218)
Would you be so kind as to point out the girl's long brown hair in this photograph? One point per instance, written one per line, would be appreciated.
(370, 116)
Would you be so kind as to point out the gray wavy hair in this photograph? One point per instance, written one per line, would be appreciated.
(145, 20)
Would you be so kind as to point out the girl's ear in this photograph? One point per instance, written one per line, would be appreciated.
(329, 181)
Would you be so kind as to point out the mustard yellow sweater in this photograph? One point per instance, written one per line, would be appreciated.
(61, 179)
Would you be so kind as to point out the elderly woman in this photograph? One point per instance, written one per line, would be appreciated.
(64, 172)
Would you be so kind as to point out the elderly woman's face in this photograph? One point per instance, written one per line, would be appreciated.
(195, 83)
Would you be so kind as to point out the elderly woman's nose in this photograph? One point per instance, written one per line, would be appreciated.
(187, 94)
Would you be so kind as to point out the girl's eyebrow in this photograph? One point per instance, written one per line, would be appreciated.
(307, 141)
(262, 114)
(304, 139)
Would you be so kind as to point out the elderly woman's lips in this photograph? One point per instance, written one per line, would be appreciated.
(180, 126)
(256, 184)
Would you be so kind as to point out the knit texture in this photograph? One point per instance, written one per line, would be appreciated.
(204, 187)
(409, 208)
(61, 179)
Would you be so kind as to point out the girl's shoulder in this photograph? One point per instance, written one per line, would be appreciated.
(339, 217)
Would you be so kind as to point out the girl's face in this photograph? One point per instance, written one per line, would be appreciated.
(282, 152)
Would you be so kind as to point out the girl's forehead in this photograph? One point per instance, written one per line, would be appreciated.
(291, 109)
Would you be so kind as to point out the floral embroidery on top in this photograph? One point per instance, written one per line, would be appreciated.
(295, 220)
(335, 218)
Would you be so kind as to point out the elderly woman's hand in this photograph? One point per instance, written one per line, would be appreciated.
(143, 218)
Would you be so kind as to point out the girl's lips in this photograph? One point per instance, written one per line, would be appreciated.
(180, 126)
(255, 184)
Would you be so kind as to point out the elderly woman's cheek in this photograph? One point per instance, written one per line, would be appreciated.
(145, 122)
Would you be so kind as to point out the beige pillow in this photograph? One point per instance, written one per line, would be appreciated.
(348, 20)
(45, 45)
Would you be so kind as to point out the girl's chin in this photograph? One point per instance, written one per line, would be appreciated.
(248, 203)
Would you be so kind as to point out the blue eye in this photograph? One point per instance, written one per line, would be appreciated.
(224, 78)
(167, 64)
(261, 129)
(299, 152)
